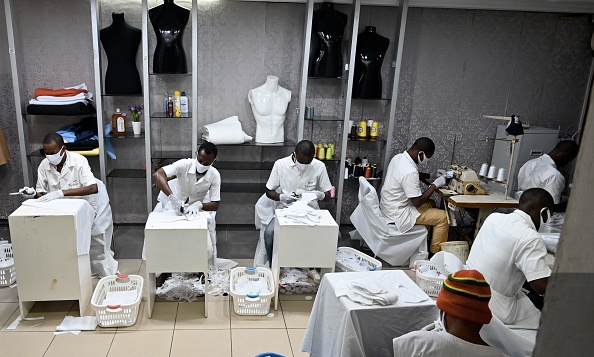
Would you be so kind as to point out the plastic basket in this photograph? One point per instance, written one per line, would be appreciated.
(430, 285)
(373, 263)
(458, 248)
(117, 315)
(246, 304)
(7, 270)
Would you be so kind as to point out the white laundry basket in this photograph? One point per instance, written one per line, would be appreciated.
(117, 315)
(429, 284)
(7, 270)
(373, 263)
(246, 304)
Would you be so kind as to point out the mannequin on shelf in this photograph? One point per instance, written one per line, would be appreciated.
(169, 21)
(120, 42)
(269, 105)
(371, 49)
(326, 53)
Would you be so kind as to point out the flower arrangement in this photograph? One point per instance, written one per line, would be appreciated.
(136, 111)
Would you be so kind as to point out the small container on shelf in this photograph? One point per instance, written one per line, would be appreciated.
(118, 123)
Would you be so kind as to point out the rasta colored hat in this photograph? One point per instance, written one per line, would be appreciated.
(466, 294)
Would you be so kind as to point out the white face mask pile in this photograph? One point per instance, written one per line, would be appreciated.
(369, 292)
(293, 280)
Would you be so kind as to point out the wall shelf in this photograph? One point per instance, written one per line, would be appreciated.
(127, 173)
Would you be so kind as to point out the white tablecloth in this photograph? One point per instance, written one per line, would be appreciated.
(340, 327)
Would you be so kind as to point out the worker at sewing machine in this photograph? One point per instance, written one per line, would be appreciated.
(401, 197)
(543, 172)
(463, 180)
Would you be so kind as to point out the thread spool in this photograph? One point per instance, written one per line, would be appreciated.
(362, 130)
(374, 130)
(484, 169)
(364, 161)
(492, 172)
(322, 153)
(501, 175)
(367, 172)
(369, 126)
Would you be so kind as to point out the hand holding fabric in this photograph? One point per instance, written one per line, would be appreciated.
(27, 192)
(50, 196)
(440, 182)
(194, 208)
(319, 195)
(175, 203)
(287, 199)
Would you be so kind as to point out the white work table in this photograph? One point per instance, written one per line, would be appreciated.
(342, 328)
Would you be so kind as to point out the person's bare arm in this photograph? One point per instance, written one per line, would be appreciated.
(210, 206)
(81, 191)
(539, 285)
(161, 180)
(418, 201)
(275, 196)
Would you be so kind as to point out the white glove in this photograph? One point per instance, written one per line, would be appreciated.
(50, 196)
(27, 192)
(440, 181)
(194, 208)
(319, 195)
(175, 203)
(287, 199)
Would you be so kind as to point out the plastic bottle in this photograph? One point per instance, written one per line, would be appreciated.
(118, 123)
(183, 103)
(176, 104)
(170, 107)
(165, 104)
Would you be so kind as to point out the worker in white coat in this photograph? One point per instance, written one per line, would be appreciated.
(402, 199)
(464, 304)
(63, 174)
(508, 251)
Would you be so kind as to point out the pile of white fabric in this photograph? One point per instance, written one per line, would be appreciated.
(445, 264)
(293, 280)
(226, 131)
(189, 287)
(84, 98)
(353, 261)
(245, 285)
(369, 291)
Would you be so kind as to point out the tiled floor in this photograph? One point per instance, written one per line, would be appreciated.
(175, 329)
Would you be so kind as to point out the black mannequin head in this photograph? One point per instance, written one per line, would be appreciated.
(328, 5)
(117, 17)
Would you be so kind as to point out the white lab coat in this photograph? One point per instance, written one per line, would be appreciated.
(100, 253)
(542, 173)
(264, 213)
(437, 344)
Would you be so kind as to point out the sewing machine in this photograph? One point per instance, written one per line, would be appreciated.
(465, 181)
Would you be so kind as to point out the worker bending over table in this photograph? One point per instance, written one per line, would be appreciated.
(294, 175)
(543, 172)
(63, 174)
(402, 199)
(508, 251)
(464, 304)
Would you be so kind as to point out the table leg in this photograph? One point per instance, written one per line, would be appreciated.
(276, 274)
(483, 213)
(152, 291)
(206, 294)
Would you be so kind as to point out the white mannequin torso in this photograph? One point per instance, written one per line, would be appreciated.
(269, 105)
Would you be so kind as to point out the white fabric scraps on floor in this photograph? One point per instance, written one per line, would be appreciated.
(294, 280)
(353, 261)
(189, 287)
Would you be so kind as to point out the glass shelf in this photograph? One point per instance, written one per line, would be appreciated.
(367, 141)
(158, 155)
(127, 173)
(325, 118)
(122, 95)
(373, 100)
(189, 74)
(339, 79)
(286, 143)
(129, 135)
(93, 113)
(163, 115)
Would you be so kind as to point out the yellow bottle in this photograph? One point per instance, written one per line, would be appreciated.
(177, 104)
(374, 130)
(362, 130)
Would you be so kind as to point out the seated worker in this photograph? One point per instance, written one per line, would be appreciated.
(298, 173)
(63, 174)
(401, 197)
(464, 304)
(509, 251)
(543, 172)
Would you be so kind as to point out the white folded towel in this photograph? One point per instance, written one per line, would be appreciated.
(226, 131)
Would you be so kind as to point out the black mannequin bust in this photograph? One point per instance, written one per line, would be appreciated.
(326, 46)
(120, 42)
(169, 21)
(371, 50)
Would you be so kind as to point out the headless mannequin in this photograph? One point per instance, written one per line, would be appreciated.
(326, 53)
(269, 105)
(169, 21)
(120, 42)
(371, 49)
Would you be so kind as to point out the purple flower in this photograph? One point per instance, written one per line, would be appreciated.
(124, 114)
(132, 107)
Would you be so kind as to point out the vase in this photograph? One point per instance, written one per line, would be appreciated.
(136, 126)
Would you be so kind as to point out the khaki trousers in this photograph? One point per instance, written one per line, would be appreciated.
(431, 216)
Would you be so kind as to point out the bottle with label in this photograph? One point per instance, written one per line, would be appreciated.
(170, 107)
(176, 104)
(183, 104)
(118, 123)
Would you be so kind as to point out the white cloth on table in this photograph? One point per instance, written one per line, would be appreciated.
(226, 131)
(370, 291)
(384, 239)
(509, 251)
(542, 173)
(83, 215)
(439, 343)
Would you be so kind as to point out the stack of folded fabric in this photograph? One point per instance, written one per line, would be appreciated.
(369, 292)
(64, 101)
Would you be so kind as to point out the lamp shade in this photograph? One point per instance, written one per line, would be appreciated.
(515, 126)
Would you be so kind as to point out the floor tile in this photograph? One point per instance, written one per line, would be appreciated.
(9, 294)
(259, 322)
(296, 297)
(250, 342)
(163, 317)
(190, 316)
(141, 343)
(88, 344)
(296, 313)
(129, 266)
(25, 344)
(296, 339)
(201, 343)
(7, 309)
(53, 313)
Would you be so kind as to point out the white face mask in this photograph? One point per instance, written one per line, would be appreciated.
(425, 158)
(547, 215)
(55, 158)
(201, 168)
(299, 165)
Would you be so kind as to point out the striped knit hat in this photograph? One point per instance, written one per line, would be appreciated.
(466, 294)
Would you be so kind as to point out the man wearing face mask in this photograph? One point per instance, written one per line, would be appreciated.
(195, 178)
(298, 173)
(401, 197)
(509, 251)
